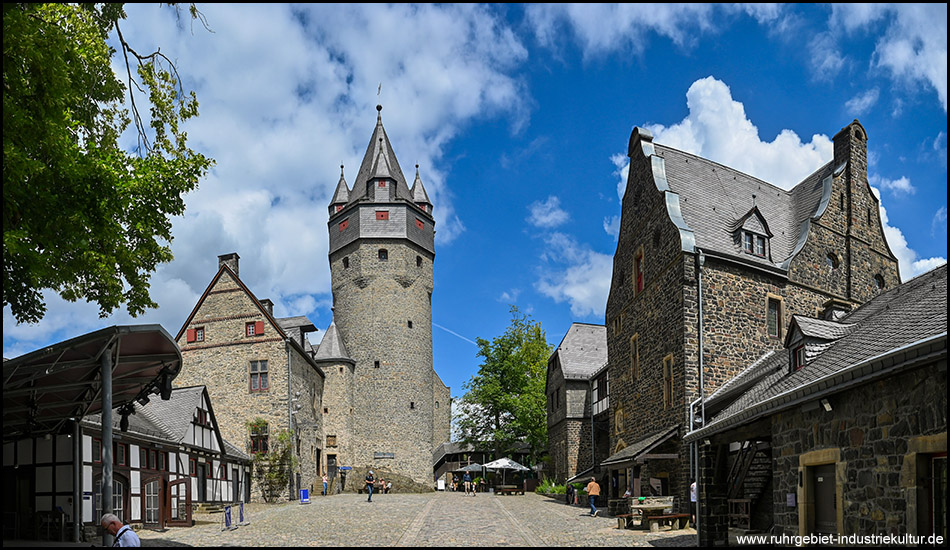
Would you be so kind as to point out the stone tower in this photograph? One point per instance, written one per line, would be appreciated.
(381, 256)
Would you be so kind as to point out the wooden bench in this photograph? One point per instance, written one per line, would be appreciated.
(675, 521)
(625, 521)
(508, 490)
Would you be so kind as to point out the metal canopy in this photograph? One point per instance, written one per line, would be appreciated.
(43, 389)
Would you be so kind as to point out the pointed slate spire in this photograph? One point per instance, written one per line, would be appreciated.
(332, 348)
(341, 196)
(419, 195)
(378, 161)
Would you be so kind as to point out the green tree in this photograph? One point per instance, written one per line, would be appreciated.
(275, 463)
(504, 402)
(81, 215)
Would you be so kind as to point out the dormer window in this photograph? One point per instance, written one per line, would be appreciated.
(753, 243)
(798, 357)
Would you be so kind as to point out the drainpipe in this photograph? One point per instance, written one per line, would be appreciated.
(700, 260)
(105, 364)
(290, 420)
(77, 480)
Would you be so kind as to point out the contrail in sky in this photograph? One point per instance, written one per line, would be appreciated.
(453, 333)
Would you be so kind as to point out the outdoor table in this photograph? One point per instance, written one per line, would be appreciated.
(647, 510)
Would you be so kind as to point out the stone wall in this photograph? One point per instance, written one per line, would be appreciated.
(375, 301)
(222, 360)
(870, 431)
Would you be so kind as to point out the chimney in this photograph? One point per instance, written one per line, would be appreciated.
(851, 146)
(268, 306)
(230, 260)
(834, 310)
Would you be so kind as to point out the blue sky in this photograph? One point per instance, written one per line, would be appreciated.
(519, 118)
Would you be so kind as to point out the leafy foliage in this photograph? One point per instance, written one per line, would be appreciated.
(505, 401)
(274, 468)
(81, 215)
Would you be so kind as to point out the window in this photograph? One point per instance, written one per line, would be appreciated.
(383, 254)
(420, 224)
(201, 418)
(798, 357)
(409, 323)
(774, 317)
(617, 323)
(344, 224)
(418, 261)
(635, 356)
(162, 461)
(376, 364)
(192, 467)
(753, 244)
(153, 460)
(338, 208)
(331, 441)
(254, 328)
(412, 404)
(196, 335)
(879, 282)
(120, 454)
(118, 502)
(346, 262)
(638, 272)
(97, 450)
(259, 438)
(841, 201)
(668, 381)
(259, 376)
(381, 183)
(831, 260)
(382, 214)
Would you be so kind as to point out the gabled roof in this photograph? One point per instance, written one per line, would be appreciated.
(714, 198)
(817, 328)
(582, 351)
(418, 191)
(901, 328)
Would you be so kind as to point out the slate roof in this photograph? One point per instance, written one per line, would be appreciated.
(631, 452)
(821, 328)
(715, 200)
(332, 347)
(379, 159)
(167, 420)
(583, 351)
(910, 318)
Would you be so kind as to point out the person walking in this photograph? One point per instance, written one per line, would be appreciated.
(370, 481)
(324, 484)
(593, 491)
(124, 535)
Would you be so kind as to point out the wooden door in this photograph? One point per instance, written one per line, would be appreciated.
(178, 503)
(826, 513)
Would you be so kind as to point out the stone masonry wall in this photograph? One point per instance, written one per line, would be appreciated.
(222, 363)
(393, 401)
(870, 426)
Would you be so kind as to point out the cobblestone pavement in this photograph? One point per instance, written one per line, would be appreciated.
(435, 519)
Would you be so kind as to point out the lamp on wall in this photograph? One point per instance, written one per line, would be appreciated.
(826, 404)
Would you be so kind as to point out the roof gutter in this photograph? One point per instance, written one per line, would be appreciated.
(915, 354)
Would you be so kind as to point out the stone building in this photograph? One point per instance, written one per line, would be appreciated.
(854, 410)
(388, 409)
(711, 259)
(576, 382)
(255, 367)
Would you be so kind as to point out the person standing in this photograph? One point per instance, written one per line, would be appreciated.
(370, 481)
(692, 504)
(593, 491)
(124, 535)
(467, 481)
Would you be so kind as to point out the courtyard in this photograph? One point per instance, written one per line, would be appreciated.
(434, 519)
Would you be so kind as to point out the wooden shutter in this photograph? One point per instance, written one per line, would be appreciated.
(259, 327)
(191, 335)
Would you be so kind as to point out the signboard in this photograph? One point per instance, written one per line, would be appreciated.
(384, 455)
(305, 496)
(345, 468)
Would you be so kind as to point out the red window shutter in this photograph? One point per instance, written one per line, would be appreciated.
(382, 183)
(259, 327)
(344, 224)
(420, 224)
(191, 335)
(382, 215)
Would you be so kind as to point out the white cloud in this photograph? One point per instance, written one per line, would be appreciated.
(547, 214)
(576, 274)
(860, 104)
(910, 266)
(717, 128)
(898, 187)
(912, 49)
